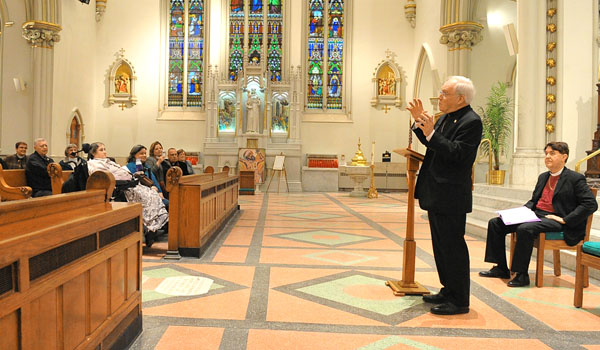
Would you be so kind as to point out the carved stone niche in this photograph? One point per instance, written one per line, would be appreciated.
(121, 82)
(387, 80)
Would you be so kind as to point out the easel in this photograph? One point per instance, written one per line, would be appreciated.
(279, 166)
(408, 285)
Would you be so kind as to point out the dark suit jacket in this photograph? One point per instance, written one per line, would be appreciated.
(36, 172)
(572, 200)
(444, 181)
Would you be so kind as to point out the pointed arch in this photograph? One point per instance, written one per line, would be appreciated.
(426, 55)
(75, 134)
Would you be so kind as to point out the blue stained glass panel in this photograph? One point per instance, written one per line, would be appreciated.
(176, 46)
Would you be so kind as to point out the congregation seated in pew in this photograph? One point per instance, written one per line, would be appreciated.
(154, 215)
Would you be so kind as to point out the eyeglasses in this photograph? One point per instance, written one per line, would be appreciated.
(444, 93)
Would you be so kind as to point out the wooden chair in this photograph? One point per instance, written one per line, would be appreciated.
(588, 255)
(553, 241)
(209, 170)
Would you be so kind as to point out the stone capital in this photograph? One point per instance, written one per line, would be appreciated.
(41, 34)
(461, 35)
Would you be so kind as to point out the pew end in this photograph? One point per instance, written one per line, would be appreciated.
(102, 180)
(13, 185)
(173, 176)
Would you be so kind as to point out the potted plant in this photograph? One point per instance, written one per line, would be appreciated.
(497, 118)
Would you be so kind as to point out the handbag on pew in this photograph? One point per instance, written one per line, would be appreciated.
(145, 180)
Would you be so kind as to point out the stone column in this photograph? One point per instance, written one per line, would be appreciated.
(528, 160)
(460, 37)
(295, 104)
(42, 36)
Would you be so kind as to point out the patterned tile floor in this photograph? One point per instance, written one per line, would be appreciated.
(307, 271)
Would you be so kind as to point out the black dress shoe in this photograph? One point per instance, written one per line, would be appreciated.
(434, 298)
(495, 271)
(149, 238)
(449, 309)
(521, 279)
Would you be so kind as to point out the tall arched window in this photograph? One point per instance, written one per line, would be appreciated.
(187, 24)
(327, 44)
(262, 22)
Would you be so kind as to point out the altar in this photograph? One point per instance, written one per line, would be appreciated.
(258, 111)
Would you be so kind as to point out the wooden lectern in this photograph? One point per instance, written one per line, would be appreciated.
(408, 285)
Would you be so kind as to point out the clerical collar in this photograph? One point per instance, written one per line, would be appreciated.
(460, 112)
(558, 172)
(20, 157)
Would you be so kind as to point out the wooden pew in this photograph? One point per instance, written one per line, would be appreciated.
(58, 177)
(199, 205)
(70, 270)
(13, 183)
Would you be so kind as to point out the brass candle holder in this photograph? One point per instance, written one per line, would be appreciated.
(372, 190)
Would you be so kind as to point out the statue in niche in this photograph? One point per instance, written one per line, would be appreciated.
(253, 112)
(121, 82)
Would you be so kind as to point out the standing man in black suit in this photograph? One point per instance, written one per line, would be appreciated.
(561, 199)
(444, 187)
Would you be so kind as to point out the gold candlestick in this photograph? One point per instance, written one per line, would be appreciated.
(372, 190)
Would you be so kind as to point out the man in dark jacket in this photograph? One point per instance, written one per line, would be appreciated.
(562, 201)
(36, 169)
(444, 187)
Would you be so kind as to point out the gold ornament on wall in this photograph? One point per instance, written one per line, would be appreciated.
(549, 128)
(551, 46)
(551, 80)
(551, 12)
(551, 98)
(551, 62)
(551, 27)
(550, 115)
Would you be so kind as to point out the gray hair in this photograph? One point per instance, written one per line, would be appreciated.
(464, 87)
(38, 140)
(69, 146)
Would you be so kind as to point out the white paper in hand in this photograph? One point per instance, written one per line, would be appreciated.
(517, 215)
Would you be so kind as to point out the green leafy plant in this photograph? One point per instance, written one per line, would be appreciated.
(497, 118)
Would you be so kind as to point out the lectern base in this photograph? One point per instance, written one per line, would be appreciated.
(399, 290)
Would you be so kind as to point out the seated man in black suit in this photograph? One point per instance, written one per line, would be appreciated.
(36, 170)
(563, 202)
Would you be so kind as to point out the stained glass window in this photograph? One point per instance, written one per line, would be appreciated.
(186, 53)
(325, 54)
(263, 22)
(255, 31)
(274, 39)
(236, 37)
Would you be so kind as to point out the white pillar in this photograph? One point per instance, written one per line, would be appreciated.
(460, 37)
(576, 79)
(528, 160)
(42, 36)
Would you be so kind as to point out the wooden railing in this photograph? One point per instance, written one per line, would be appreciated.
(198, 206)
(70, 270)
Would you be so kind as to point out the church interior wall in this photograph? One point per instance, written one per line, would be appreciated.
(577, 77)
(75, 82)
(491, 63)
(16, 63)
(377, 26)
(87, 49)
